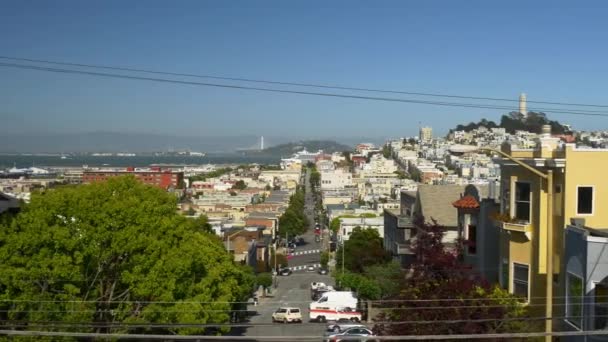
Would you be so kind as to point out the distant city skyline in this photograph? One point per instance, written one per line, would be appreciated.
(477, 49)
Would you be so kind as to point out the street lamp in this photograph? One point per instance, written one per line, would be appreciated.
(548, 177)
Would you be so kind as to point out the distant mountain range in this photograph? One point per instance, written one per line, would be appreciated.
(286, 150)
(144, 143)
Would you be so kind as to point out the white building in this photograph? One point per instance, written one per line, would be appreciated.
(347, 225)
(336, 179)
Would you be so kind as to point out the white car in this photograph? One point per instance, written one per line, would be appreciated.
(310, 268)
(287, 315)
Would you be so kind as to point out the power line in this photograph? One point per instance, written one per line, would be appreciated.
(297, 84)
(298, 338)
(285, 91)
(244, 325)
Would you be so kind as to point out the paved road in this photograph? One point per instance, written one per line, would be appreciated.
(293, 290)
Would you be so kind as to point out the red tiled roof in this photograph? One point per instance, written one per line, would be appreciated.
(466, 202)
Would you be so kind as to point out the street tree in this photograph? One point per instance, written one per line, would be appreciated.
(116, 252)
(363, 248)
(264, 280)
(438, 278)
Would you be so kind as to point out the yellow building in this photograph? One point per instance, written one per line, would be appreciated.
(580, 189)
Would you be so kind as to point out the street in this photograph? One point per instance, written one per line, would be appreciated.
(293, 290)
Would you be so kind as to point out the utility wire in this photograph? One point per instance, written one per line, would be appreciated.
(285, 91)
(299, 338)
(297, 84)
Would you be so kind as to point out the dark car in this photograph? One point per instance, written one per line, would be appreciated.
(285, 272)
(323, 271)
(351, 334)
(334, 327)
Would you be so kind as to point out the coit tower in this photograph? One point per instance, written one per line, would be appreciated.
(522, 105)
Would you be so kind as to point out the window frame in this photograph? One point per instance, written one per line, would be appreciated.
(515, 201)
(592, 200)
(513, 279)
(576, 324)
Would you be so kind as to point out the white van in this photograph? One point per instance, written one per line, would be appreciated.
(335, 305)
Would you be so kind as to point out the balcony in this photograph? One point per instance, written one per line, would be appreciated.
(521, 227)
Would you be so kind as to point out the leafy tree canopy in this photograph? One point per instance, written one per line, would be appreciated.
(438, 274)
(363, 248)
(115, 251)
(515, 121)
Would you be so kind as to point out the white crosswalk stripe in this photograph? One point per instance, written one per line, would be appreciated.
(303, 267)
(311, 251)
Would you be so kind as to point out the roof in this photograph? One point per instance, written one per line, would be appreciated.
(435, 203)
(263, 215)
(466, 202)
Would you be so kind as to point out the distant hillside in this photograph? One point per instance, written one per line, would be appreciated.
(286, 150)
(515, 121)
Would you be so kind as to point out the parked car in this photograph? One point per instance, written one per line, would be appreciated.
(343, 324)
(351, 334)
(310, 268)
(287, 315)
(323, 271)
(285, 272)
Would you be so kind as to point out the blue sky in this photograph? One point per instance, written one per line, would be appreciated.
(551, 50)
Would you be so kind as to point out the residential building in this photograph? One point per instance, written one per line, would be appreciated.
(586, 280)
(578, 192)
(399, 232)
(426, 134)
(336, 179)
(8, 204)
(164, 179)
(434, 203)
(478, 230)
(268, 220)
(347, 225)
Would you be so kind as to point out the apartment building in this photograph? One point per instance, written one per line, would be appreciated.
(532, 207)
(154, 176)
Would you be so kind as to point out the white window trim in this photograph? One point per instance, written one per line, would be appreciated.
(514, 196)
(582, 318)
(592, 199)
(512, 279)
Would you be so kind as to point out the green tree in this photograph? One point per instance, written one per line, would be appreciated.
(363, 248)
(264, 280)
(240, 185)
(324, 259)
(334, 225)
(116, 251)
(386, 151)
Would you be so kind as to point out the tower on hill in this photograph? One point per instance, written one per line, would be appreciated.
(522, 105)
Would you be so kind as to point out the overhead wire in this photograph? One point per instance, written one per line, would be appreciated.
(297, 84)
(288, 91)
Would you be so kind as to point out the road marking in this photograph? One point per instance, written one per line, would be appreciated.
(303, 267)
(311, 251)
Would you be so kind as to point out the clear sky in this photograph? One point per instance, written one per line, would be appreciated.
(551, 50)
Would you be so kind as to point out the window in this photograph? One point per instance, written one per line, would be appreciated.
(601, 306)
(584, 203)
(574, 300)
(522, 201)
(520, 280)
(472, 239)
